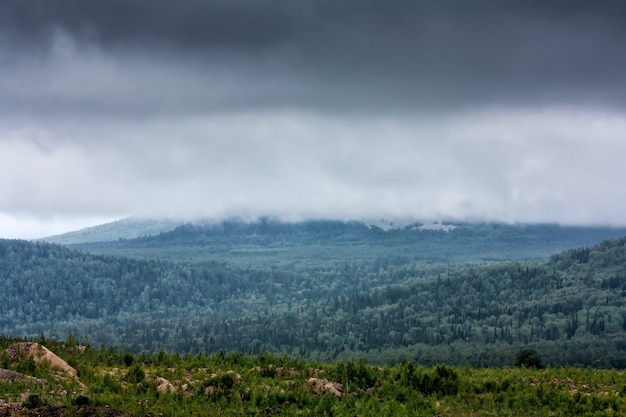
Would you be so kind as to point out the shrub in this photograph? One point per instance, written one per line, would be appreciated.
(33, 401)
(219, 386)
(445, 380)
(528, 358)
(26, 365)
(128, 359)
(82, 400)
(135, 374)
(110, 384)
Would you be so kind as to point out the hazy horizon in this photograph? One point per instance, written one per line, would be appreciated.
(384, 223)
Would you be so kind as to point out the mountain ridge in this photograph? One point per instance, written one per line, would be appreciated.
(272, 242)
(125, 228)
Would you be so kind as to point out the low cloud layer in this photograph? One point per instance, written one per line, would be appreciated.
(489, 111)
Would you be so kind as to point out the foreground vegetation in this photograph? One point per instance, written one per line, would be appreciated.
(116, 382)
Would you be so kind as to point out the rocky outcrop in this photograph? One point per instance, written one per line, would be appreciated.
(323, 386)
(40, 354)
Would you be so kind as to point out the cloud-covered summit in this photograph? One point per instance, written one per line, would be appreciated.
(485, 109)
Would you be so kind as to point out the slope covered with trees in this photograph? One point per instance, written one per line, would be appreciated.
(571, 307)
(127, 228)
(268, 243)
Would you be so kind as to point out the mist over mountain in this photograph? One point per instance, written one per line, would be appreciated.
(269, 241)
(486, 111)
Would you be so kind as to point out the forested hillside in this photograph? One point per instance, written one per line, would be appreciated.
(268, 243)
(572, 307)
(127, 228)
(51, 288)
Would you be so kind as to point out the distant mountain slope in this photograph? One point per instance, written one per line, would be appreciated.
(572, 306)
(128, 228)
(269, 243)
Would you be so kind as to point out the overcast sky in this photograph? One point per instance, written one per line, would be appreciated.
(484, 110)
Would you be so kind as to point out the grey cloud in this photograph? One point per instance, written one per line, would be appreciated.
(319, 55)
(534, 166)
(313, 108)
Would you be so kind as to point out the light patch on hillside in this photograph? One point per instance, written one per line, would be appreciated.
(436, 226)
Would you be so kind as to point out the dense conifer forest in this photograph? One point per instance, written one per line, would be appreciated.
(471, 295)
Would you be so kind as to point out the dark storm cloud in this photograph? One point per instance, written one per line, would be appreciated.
(322, 55)
(494, 110)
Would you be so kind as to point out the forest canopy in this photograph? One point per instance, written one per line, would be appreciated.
(570, 307)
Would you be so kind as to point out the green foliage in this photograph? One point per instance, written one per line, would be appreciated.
(135, 374)
(33, 401)
(233, 384)
(444, 381)
(26, 365)
(528, 358)
(128, 358)
(109, 384)
(5, 360)
(81, 400)
(356, 374)
(219, 387)
(441, 380)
